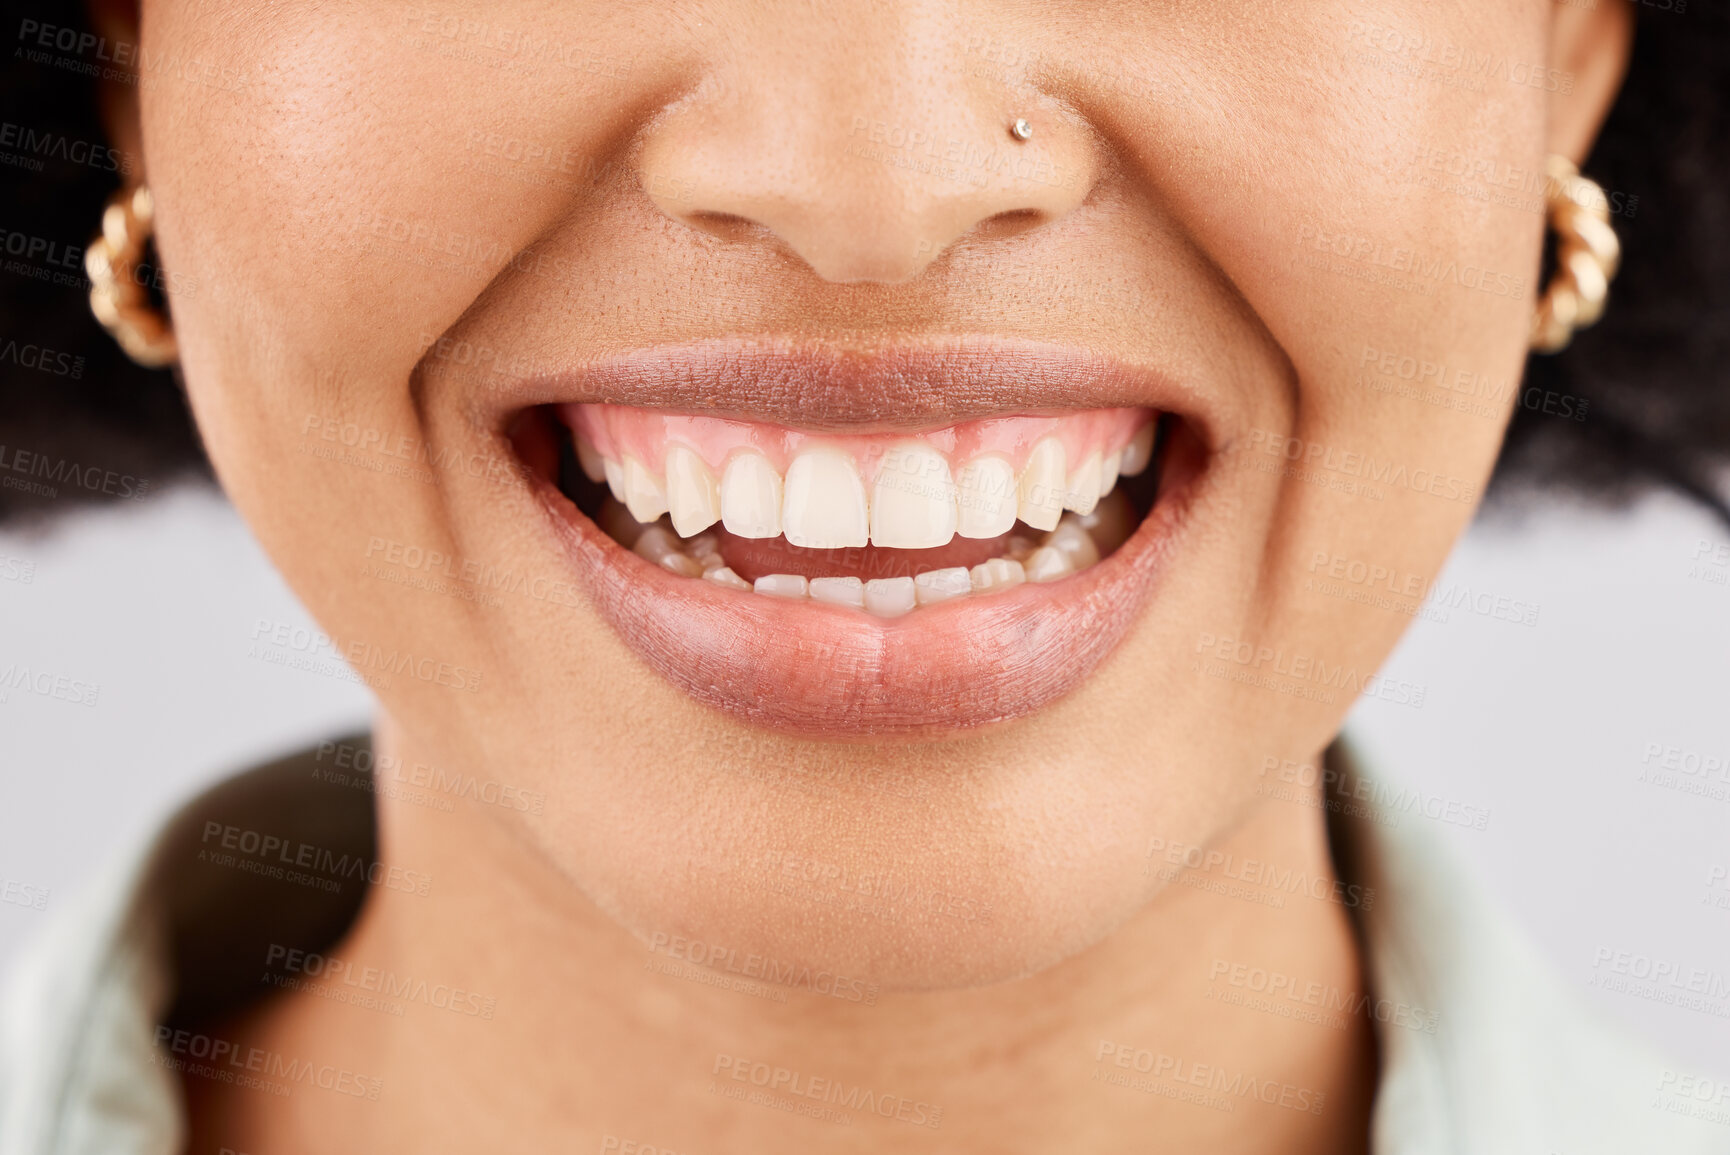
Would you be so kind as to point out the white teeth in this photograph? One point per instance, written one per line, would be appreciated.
(824, 505)
(998, 573)
(615, 475)
(839, 591)
(781, 585)
(693, 498)
(987, 496)
(1138, 452)
(751, 496)
(1042, 485)
(657, 545)
(889, 597)
(1047, 564)
(1081, 491)
(722, 576)
(1108, 470)
(939, 585)
(913, 500)
(1073, 542)
(644, 496)
(594, 465)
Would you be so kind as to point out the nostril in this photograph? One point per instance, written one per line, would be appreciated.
(1010, 223)
(727, 226)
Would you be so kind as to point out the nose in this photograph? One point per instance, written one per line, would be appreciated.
(866, 147)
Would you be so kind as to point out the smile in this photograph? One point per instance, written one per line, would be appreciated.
(840, 570)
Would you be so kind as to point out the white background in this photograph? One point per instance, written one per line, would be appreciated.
(1544, 725)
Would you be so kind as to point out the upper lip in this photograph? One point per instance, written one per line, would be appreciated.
(835, 387)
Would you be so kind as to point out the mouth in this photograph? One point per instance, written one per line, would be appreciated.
(851, 545)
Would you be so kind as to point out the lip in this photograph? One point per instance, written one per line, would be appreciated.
(832, 673)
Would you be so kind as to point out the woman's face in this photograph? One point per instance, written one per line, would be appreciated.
(414, 246)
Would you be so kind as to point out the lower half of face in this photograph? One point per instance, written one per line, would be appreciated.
(869, 527)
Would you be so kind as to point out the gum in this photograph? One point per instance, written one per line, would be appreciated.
(617, 431)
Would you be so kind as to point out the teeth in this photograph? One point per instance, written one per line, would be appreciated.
(1081, 491)
(824, 505)
(987, 497)
(1108, 470)
(939, 585)
(1042, 485)
(615, 475)
(644, 496)
(722, 576)
(1138, 452)
(839, 591)
(594, 465)
(693, 498)
(998, 573)
(751, 496)
(1111, 524)
(1073, 542)
(889, 597)
(913, 503)
(781, 585)
(1047, 564)
(1067, 549)
(657, 545)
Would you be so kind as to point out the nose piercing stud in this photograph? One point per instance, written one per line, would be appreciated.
(1021, 130)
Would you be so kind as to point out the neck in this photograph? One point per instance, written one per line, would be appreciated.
(562, 1027)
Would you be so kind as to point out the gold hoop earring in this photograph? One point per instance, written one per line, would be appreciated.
(116, 297)
(1587, 254)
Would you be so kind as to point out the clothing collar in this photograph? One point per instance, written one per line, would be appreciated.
(1483, 1049)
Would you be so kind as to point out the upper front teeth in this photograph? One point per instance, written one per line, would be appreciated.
(913, 504)
(751, 496)
(915, 500)
(824, 506)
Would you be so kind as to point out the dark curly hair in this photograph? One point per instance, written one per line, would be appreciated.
(1654, 373)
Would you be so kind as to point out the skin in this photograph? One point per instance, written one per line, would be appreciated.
(713, 193)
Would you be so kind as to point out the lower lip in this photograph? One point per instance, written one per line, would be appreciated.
(829, 672)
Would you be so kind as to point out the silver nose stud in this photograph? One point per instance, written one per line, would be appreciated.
(1021, 130)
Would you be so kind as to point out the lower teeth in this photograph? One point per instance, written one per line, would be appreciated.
(1077, 543)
